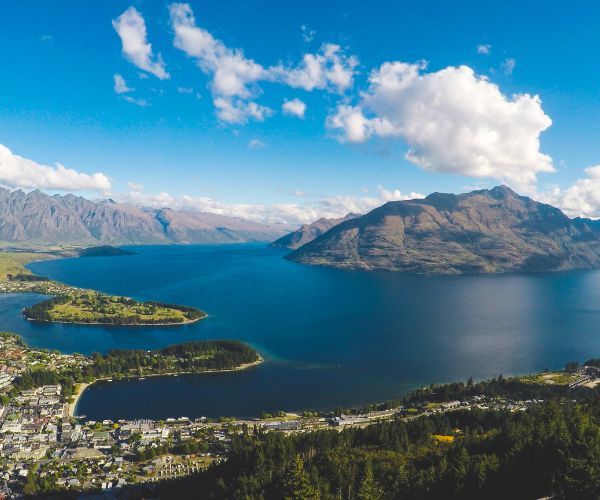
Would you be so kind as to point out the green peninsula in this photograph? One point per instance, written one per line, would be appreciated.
(94, 307)
(25, 367)
(70, 304)
(189, 357)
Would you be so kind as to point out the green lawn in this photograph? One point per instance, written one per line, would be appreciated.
(93, 307)
(549, 378)
(14, 262)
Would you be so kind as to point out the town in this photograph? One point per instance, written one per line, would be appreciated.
(45, 447)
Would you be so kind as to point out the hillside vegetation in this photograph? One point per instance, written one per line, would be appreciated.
(551, 449)
(189, 357)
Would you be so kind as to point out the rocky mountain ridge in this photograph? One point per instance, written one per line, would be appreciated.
(484, 231)
(37, 217)
(309, 232)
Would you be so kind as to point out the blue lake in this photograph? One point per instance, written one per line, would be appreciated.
(331, 338)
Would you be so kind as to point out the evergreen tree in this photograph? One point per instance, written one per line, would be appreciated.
(369, 487)
(298, 485)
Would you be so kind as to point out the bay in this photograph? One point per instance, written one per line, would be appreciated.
(331, 338)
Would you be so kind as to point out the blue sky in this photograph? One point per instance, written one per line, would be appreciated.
(58, 103)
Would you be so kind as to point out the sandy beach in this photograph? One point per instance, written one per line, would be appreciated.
(80, 387)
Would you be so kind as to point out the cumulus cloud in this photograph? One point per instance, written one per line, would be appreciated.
(289, 213)
(294, 107)
(452, 121)
(232, 73)
(131, 28)
(235, 110)
(235, 77)
(120, 85)
(484, 49)
(19, 172)
(329, 69)
(581, 199)
(337, 206)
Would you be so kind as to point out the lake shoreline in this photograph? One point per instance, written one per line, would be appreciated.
(54, 288)
(343, 338)
(82, 386)
(187, 322)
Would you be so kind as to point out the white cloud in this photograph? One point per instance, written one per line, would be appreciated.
(290, 213)
(18, 172)
(134, 100)
(294, 107)
(337, 206)
(235, 78)
(185, 90)
(134, 186)
(581, 199)
(120, 85)
(235, 110)
(308, 35)
(508, 66)
(452, 120)
(232, 73)
(131, 28)
(256, 144)
(484, 49)
(328, 69)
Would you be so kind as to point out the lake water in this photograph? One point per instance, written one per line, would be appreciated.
(331, 338)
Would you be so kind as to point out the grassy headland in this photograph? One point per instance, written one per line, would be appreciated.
(76, 305)
(13, 263)
(94, 307)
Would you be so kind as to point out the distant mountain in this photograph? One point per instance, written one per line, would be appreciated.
(38, 218)
(484, 231)
(309, 232)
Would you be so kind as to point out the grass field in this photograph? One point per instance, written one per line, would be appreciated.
(91, 308)
(14, 262)
(88, 306)
(550, 378)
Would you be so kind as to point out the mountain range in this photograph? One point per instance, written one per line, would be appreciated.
(309, 232)
(38, 218)
(483, 231)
